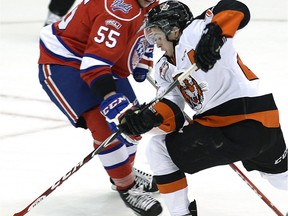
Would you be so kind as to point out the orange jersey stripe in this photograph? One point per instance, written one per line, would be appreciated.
(173, 186)
(269, 119)
(247, 72)
(191, 56)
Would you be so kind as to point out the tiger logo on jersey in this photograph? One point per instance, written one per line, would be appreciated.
(193, 92)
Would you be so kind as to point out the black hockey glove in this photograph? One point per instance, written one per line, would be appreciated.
(207, 51)
(139, 121)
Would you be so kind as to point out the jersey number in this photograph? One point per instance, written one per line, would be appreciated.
(111, 40)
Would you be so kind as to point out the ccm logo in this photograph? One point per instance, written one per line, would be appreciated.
(113, 104)
(282, 157)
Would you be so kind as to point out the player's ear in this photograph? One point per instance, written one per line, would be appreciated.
(174, 34)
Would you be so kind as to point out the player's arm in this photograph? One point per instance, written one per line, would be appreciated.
(228, 17)
(165, 114)
(105, 47)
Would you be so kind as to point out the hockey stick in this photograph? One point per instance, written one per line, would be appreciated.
(235, 168)
(183, 76)
(255, 189)
(177, 81)
(69, 174)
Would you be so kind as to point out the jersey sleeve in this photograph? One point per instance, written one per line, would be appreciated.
(170, 108)
(171, 114)
(231, 16)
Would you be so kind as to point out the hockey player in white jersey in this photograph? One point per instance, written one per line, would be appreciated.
(233, 120)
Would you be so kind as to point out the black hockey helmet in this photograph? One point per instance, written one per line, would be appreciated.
(169, 14)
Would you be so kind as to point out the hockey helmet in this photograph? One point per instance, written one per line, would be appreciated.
(169, 14)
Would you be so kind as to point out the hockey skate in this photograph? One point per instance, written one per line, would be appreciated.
(193, 208)
(142, 179)
(140, 202)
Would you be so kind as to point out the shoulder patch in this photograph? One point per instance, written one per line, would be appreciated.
(208, 16)
(164, 68)
(114, 23)
(209, 13)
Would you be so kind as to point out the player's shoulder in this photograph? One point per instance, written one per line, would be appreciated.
(125, 10)
(164, 69)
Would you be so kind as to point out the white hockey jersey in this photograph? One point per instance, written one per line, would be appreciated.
(228, 92)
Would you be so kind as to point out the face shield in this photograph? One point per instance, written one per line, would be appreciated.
(154, 34)
(154, 27)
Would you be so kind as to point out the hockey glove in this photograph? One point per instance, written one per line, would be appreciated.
(140, 74)
(139, 121)
(112, 108)
(207, 51)
(144, 66)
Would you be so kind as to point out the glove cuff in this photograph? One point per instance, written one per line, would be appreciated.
(152, 118)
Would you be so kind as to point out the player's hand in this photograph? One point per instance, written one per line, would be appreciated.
(112, 108)
(207, 51)
(139, 121)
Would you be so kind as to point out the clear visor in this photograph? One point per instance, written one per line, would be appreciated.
(154, 34)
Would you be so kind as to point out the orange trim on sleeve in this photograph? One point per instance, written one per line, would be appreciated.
(173, 186)
(229, 21)
(191, 56)
(169, 123)
(269, 119)
(247, 72)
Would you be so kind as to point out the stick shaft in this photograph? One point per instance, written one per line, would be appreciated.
(177, 81)
(255, 189)
(69, 174)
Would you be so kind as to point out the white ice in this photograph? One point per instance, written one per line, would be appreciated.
(38, 146)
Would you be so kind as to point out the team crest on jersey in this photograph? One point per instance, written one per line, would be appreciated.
(121, 5)
(193, 92)
(137, 52)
